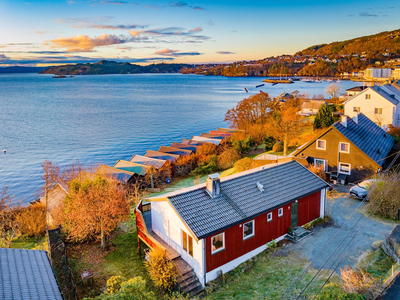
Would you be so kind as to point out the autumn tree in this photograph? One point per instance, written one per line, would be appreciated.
(243, 164)
(94, 207)
(227, 158)
(8, 225)
(250, 111)
(285, 124)
(324, 117)
(51, 174)
(333, 90)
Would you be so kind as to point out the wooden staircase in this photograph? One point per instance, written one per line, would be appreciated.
(187, 281)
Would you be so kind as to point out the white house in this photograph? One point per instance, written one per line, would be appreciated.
(379, 103)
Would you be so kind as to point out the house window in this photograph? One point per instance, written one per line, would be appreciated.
(321, 145)
(356, 109)
(248, 229)
(280, 212)
(320, 163)
(187, 243)
(345, 168)
(269, 217)
(218, 243)
(344, 147)
(378, 111)
(367, 96)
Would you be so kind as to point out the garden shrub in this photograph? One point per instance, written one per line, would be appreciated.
(161, 269)
(227, 158)
(114, 284)
(31, 220)
(243, 164)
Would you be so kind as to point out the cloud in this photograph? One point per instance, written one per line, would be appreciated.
(198, 29)
(153, 7)
(175, 53)
(98, 23)
(113, 2)
(225, 52)
(3, 58)
(366, 14)
(40, 32)
(84, 43)
(70, 2)
(181, 4)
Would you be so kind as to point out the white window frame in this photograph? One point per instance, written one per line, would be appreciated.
(280, 212)
(320, 148)
(315, 162)
(341, 172)
(223, 243)
(269, 217)
(340, 147)
(251, 235)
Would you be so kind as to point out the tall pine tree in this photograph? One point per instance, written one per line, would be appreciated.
(324, 117)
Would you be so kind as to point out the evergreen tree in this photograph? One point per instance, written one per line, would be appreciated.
(324, 117)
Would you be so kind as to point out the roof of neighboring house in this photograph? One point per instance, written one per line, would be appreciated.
(387, 92)
(184, 146)
(132, 167)
(231, 130)
(162, 155)
(55, 197)
(119, 174)
(172, 150)
(192, 142)
(214, 136)
(368, 137)
(27, 274)
(227, 134)
(356, 89)
(148, 161)
(240, 199)
(312, 104)
(207, 140)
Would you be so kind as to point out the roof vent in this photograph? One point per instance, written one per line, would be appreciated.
(393, 96)
(378, 151)
(384, 135)
(213, 185)
(260, 186)
(344, 121)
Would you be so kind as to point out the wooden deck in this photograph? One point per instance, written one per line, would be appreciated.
(171, 253)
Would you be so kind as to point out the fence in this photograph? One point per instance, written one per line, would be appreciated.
(59, 262)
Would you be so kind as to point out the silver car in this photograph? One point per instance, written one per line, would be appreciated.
(360, 191)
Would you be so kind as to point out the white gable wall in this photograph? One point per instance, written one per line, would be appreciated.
(168, 226)
(367, 107)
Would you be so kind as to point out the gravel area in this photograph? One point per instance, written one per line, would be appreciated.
(344, 233)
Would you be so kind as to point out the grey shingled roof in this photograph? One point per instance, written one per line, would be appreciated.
(27, 274)
(240, 199)
(368, 137)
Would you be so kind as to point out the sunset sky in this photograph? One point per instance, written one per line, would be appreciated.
(57, 32)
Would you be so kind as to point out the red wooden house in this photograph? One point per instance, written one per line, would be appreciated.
(218, 225)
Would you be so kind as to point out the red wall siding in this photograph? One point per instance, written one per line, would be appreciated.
(235, 246)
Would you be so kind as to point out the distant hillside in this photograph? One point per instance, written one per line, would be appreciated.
(387, 42)
(112, 67)
(21, 69)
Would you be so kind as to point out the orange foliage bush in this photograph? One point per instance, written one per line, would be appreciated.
(227, 158)
(31, 220)
(357, 281)
(243, 164)
(317, 171)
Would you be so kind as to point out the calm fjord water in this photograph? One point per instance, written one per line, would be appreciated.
(109, 117)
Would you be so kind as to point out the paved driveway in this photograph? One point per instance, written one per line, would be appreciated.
(345, 211)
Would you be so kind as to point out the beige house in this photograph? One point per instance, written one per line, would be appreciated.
(310, 107)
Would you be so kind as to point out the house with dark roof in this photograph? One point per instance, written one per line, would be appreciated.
(27, 274)
(162, 155)
(218, 225)
(176, 151)
(355, 90)
(148, 161)
(381, 104)
(355, 147)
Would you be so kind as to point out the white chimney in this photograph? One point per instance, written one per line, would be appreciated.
(213, 185)
(344, 120)
(355, 118)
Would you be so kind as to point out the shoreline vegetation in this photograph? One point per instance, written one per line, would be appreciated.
(325, 60)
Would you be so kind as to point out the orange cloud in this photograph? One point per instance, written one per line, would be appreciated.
(198, 29)
(84, 43)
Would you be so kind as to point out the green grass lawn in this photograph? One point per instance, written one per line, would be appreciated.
(267, 276)
(30, 243)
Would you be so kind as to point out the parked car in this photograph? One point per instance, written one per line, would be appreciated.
(360, 191)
